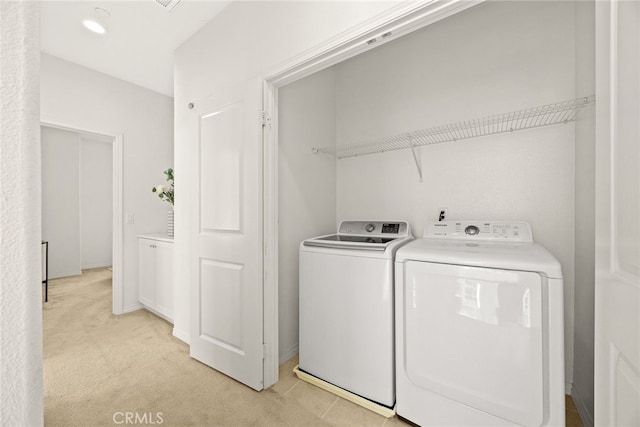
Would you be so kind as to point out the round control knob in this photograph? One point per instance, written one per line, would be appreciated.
(370, 227)
(472, 230)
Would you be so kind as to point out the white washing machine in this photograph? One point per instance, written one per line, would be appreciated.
(479, 328)
(346, 307)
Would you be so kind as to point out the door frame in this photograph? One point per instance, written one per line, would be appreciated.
(614, 281)
(393, 23)
(117, 194)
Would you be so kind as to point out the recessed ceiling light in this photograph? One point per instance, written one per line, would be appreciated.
(94, 25)
(102, 13)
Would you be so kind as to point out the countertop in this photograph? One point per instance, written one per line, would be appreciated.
(163, 237)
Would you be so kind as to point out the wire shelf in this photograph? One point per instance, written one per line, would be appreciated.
(544, 115)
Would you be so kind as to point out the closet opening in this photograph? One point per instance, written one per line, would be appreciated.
(82, 203)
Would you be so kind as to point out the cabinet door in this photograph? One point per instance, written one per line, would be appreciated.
(164, 279)
(146, 272)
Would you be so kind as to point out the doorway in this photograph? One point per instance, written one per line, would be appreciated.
(279, 302)
(82, 202)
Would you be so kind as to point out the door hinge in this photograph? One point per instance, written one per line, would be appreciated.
(265, 351)
(265, 118)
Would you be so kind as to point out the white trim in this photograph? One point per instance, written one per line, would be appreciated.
(97, 265)
(289, 354)
(118, 193)
(118, 225)
(613, 134)
(181, 335)
(583, 411)
(270, 240)
(616, 269)
(389, 25)
(54, 275)
(130, 308)
(612, 397)
(157, 313)
(80, 198)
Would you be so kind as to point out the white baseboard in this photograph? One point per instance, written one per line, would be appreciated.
(181, 335)
(157, 313)
(98, 265)
(585, 416)
(284, 356)
(131, 308)
(57, 275)
(568, 387)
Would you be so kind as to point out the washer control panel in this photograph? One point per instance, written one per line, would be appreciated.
(511, 231)
(375, 228)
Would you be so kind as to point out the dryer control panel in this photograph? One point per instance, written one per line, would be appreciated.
(375, 228)
(510, 231)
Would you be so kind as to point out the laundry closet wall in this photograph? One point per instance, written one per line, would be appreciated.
(583, 368)
(306, 186)
(493, 58)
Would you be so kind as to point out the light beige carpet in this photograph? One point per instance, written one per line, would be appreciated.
(98, 366)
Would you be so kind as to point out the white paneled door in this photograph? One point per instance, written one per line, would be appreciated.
(226, 234)
(617, 317)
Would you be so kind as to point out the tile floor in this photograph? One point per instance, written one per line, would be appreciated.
(337, 411)
(330, 408)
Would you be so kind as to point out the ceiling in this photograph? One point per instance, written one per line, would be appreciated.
(140, 40)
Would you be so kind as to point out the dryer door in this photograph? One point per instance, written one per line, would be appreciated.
(474, 335)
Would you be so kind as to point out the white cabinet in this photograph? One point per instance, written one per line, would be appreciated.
(155, 274)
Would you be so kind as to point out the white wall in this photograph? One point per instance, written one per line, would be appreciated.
(249, 39)
(96, 202)
(80, 98)
(493, 58)
(20, 294)
(306, 186)
(61, 201)
(583, 368)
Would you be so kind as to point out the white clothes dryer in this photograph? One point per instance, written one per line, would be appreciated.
(346, 307)
(479, 328)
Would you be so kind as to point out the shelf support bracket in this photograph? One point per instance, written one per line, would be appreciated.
(418, 159)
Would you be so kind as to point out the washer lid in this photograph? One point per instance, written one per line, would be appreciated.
(345, 241)
(364, 235)
(491, 254)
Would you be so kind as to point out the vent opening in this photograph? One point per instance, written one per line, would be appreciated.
(168, 5)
